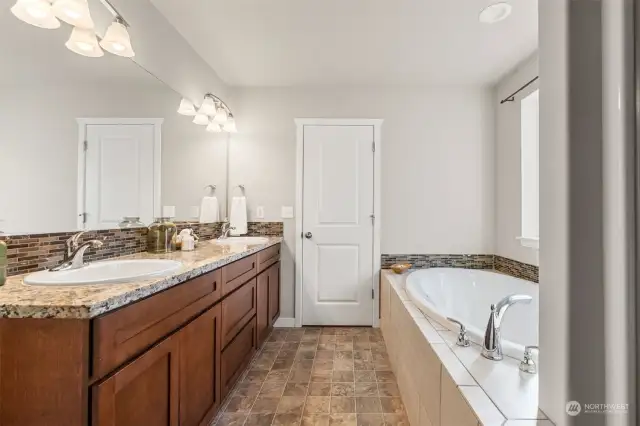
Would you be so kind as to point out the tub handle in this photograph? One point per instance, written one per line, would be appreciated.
(463, 339)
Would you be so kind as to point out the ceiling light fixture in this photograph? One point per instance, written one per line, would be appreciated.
(495, 13)
(36, 12)
(74, 12)
(116, 40)
(186, 107)
(208, 105)
(84, 42)
(214, 127)
(230, 125)
(201, 119)
(221, 115)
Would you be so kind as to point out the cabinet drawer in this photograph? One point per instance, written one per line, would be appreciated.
(237, 309)
(238, 273)
(237, 356)
(119, 336)
(268, 257)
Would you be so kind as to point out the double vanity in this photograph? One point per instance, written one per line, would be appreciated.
(128, 347)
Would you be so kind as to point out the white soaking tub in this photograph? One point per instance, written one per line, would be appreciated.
(466, 295)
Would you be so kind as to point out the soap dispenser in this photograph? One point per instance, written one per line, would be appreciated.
(187, 240)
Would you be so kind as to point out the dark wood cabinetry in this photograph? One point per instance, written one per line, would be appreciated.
(168, 359)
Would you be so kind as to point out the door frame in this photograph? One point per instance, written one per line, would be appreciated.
(82, 160)
(377, 139)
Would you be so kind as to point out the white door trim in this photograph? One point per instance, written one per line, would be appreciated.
(157, 157)
(377, 135)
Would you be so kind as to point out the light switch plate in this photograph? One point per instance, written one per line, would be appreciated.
(287, 212)
(260, 212)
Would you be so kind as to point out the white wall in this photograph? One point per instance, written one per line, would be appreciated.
(508, 189)
(39, 149)
(437, 163)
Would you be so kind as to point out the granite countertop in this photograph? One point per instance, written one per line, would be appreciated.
(18, 300)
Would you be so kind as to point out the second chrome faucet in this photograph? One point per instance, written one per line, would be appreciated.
(492, 343)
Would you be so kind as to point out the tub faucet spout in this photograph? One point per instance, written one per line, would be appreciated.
(492, 343)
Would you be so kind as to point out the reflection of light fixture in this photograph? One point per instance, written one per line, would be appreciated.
(214, 128)
(186, 107)
(495, 13)
(221, 115)
(201, 119)
(74, 12)
(36, 12)
(230, 125)
(116, 40)
(208, 106)
(84, 42)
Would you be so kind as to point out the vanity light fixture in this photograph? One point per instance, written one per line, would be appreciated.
(230, 125)
(84, 42)
(36, 12)
(74, 12)
(116, 40)
(214, 128)
(221, 115)
(201, 119)
(495, 13)
(186, 107)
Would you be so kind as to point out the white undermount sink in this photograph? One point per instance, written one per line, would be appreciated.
(111, 271)
(242, 240)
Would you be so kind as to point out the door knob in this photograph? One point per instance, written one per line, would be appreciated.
(308, 235)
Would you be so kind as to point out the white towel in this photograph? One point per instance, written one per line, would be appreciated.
(238, 217)
(209, 210)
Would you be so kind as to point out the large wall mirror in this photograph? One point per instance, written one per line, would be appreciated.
(85, 142)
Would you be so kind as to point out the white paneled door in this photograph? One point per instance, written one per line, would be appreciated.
(338, 204)
(120, 174)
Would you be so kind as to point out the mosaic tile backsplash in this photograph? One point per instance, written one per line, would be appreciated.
(35, 252)
(469, 261)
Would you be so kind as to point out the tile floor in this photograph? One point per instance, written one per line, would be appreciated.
(318, 377)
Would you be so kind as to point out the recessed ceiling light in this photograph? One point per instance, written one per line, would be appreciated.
(495, 13)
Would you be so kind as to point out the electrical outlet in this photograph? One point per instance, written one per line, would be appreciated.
(260, 212)
(287, 212)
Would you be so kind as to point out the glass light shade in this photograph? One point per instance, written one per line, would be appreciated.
(36, 12)
(214, 128)
(208, 107)
(201, 119)
(221, 115)
(230, 125)
(186, 107)
(84, 42)
(117, 41)
(495, 13)
(74, 12)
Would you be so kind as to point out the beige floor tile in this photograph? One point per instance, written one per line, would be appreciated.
(265, 404)
(366, 389)
(291, 405)
(286, 420)
(343, 404)
(388, 389)
(319, 389)
(240, 404)
(365, 376)
(273, 389)
(359, 364)
(321, 376)
(343, 354)
(300, 376)
(316, 420)
(385, 376)
(396, 420)
(342, 376)
(277, 376)
(263, 419)
(296, 389)
(231, 419)
(343, 420)
(317, 405)
(392, 405)
(342, 389)
(324, 354)
(370, 420)
(368, 404)
(255, 376)
(248, 389)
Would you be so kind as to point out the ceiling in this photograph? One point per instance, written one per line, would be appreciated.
(354, 42)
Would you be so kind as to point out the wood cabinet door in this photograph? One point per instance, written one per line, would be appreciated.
(274, 293)
(200, 351)
(144, 392)
(237, 355)
(263, 319)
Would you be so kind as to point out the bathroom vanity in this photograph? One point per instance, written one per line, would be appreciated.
(161, 352)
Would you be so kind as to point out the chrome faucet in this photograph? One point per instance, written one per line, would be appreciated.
(74, 256)
(226, 228)
(492, 343)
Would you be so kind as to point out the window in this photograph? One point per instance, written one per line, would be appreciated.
(530, 233)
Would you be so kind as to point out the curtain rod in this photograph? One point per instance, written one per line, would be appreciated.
(512, 98)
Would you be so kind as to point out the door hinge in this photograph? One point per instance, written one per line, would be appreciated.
(84, 217)
(86, 145)
(373, 294)
(373, 146)
(373, 219)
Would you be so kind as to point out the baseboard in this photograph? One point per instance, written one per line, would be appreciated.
(285, 322)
